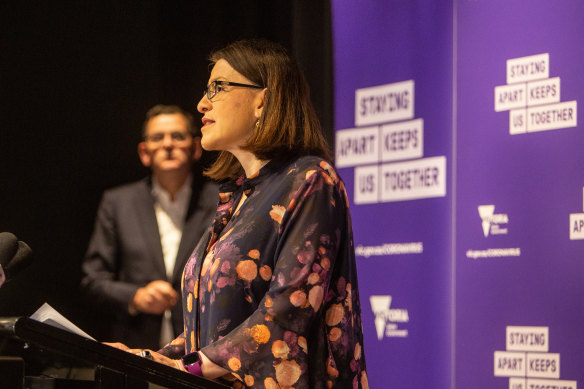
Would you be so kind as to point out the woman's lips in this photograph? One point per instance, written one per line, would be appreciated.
(207, 121)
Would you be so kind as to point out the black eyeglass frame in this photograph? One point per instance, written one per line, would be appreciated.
(210, 95)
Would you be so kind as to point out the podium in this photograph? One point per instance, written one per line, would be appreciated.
(113, 368)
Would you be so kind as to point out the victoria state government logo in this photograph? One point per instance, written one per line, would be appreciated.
(386, 319)
(493, 223)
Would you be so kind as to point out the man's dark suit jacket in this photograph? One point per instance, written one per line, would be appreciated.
(125, 254)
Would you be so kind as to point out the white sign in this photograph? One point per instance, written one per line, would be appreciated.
(403, 140)
(523, 69)
(510, 96)
(532, 98)
(357, 146)
(509, 364)
(552, 117)
(416, 179)
(551, 384)
(527, 338)
(517, 383)
(366, 185)
(576, 226)
(384, 103)
(543, 92)
(518, 121)
(543, 365)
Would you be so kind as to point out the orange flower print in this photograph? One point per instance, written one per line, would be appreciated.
(315, 297)
(234, 364)
(303, 344)
(357, 352)
(364, 381)
(291, 205)
(260, 333)
(248, 379)
(287, 373)
(215, 266)
(327, 178)
(349, 298)
(325, 263)
(268, 302)
(331, 172)
(270, 383)
(207, 262)
(309, 173)
(193, 339)
(224, 197)
(335, 334)
(334, 315)
(313, 278)
(277, 213)
(247, 270)
(196, 289)
(254, 254)
(225, 235)
(178, 341)
(330, 369)
(298, 298)
(280, 349)
(190, 302)
(266, 273)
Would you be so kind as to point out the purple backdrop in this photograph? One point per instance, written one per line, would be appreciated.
(468, 216)
(534, 181)
(388, 42)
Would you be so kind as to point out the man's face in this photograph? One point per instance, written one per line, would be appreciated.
(168, 145)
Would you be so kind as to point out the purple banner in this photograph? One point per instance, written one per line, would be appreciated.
(519, 250)
(466, 188)
(393, 120)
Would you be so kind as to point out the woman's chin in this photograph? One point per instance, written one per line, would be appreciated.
(208, 145)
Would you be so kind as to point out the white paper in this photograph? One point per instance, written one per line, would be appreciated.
(48, 315)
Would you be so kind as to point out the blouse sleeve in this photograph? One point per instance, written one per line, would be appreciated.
(175, 349)
(271, 346)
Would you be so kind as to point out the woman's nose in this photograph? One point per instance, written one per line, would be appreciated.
(204, 104)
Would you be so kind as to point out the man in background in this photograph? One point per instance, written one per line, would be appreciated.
(144, 233)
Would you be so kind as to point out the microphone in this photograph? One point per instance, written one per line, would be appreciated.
(15, 256)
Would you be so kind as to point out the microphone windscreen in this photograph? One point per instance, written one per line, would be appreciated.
(21, 260)
(8, 247)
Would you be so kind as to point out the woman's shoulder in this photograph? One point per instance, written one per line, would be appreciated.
(310, 162)
(308, 165)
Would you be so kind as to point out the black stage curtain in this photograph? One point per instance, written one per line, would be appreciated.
(76, 78)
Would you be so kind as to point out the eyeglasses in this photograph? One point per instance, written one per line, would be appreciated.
(217, 86)
(175, 136)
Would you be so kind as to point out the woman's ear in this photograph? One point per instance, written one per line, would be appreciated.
(260, 102)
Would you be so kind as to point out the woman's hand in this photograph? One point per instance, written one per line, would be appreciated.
(153, 355)
(156, 357)
(119, 346)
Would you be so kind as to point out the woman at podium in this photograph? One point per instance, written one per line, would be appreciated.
(270, 295)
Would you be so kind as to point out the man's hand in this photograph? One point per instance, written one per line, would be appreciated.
(155, 298)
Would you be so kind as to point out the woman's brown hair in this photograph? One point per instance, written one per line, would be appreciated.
(288, 127)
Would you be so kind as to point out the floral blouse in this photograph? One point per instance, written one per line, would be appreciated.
(270, 293)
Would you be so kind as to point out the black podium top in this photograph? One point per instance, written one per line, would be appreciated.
(90, 351)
